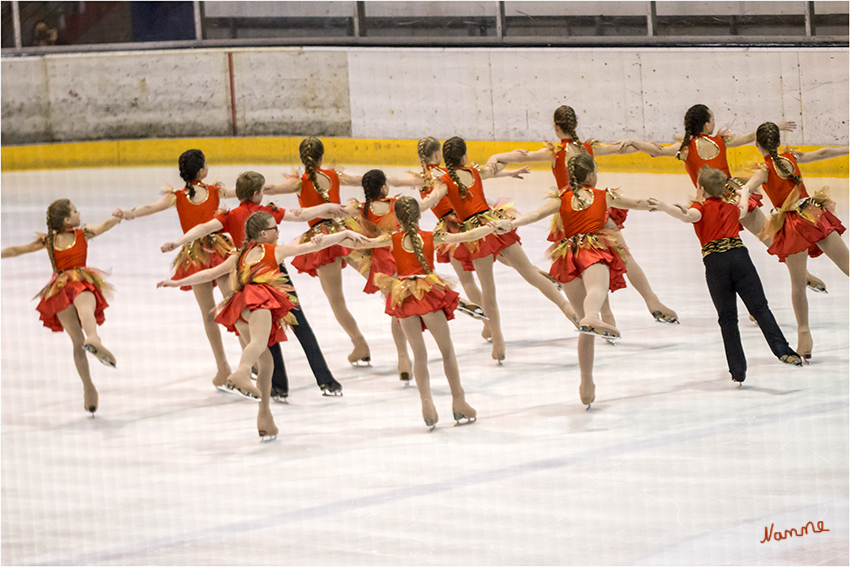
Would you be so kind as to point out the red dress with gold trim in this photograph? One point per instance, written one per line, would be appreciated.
(800, 221)
(586, 241)
(414, 292)
(382, 261)
(562, 177)
(695, 162)
(447, 220)
(475, 212)
(311, 197)
(70, 279)
(208, 251)
(261, 286)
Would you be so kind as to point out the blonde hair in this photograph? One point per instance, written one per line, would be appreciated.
(249, 184)
(407, 212)
(57, 212)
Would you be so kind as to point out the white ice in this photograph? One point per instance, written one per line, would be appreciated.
(673, 464)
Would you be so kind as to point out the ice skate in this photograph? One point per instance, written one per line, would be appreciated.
(241, 383)
(815, 284)
(596, 327)
(471, 309)
(404, 371)
(463, 412)
(791, 358)
(429, 414)
(804, 345)
(333, 388)
(739, 379)
(486, 333)
(279, 396)
(549, 277)
(587, 393)
(266, 427)
(100, 352)
(666, 316)
(405, 378)
(90, 399)
(498, 353)
(220, 379)
(360, 356)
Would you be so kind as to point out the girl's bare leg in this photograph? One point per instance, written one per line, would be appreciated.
(639, 281)
(596, 280)
(754, 222)
(470, 289)
(519, 261)
(204, 296)
(484, 269)
(796, 264)
(835, 250)
(265, 421)
(256, 333)
(575, 290)
(330, 276)
(439, 327)
(412, 327)
(85, 303)
(404, 363)
(68, 318)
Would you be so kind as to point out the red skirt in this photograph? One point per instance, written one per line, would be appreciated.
(798, 234)
(66, 285)
(383, 262)
(257, 296)
(618, 216)
(307, 263)
(201, 254)
(572, 256)
(490, 245)
(418, 296)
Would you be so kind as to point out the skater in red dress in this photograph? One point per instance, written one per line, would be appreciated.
(259, 304)
(465, 191)
(589, 260)
(317, 186)
(430, 155)
(74, 299)
(803, 225)
(421, 299)
(565, 123)
(196, 204)
(700, 148)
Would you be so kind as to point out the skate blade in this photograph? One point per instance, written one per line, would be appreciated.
(461, 419)
(587, 407)
(597, 332)
(404, 377)
(240, 392)
(817, 288)
(265, 437)
(791, 360)
(332, 393)
(104, 358)
(472, 310)
(280, 399)
(660, 318)
(611, 341)
(364, 362)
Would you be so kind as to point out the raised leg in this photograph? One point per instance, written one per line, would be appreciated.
(484, 269)
(639, 281)
(68, 318)
(470, 289)
(85, 304)
(529, 272)
(835, 250)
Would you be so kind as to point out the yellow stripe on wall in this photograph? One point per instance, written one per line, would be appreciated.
(234, 151)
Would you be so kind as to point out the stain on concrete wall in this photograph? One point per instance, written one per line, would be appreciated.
(24, 104)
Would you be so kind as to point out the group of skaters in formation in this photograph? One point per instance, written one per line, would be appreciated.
(381, 238)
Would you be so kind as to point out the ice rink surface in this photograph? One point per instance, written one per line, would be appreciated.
(672, 465)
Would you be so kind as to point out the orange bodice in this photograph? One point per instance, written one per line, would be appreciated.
(694, 162)
(474, 202)
(586, 221)
(386, 222)
(75, 255)
(559, 170)
(310, 197)
(777, 187)
(443, 206)
(192, 214)
(407, 264)
(265, 265)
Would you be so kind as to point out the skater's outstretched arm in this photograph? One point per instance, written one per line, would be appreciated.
(345, 179)
(411, 180)
(525, 156)
(34, 246)
(653, 149)
(324, 211)
(378, 242)
(108, 224)
(195, 233)
(203, 276)
(165, 202)
(437, 192)
(550, 208)
(500, 226)
(680, 212)
(735, 141)
(823, 153)
(345, 238)
(291, 184)
(614, 199)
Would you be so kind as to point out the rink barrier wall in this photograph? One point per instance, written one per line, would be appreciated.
(343, 151)
(407, 93)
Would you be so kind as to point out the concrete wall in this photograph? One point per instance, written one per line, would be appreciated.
(480, 94)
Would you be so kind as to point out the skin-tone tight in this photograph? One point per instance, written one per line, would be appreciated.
(206, 302)
(256, 333)
(79, 322)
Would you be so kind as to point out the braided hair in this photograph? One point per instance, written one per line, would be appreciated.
(695, 118)
(372, 182)
(57, 212)
(407, 212)
(191, 162)
(565, 119)
(254, 224)
(311, 151)
(425, 148)
(579, 167)
(767, 136)
(453, 150)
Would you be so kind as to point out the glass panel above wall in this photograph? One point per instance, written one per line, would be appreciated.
(570, 19)
(429, 19)
(253, 20)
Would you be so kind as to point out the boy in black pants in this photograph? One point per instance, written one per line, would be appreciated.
(728, 268)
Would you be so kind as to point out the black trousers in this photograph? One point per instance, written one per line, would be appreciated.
(730, 273)
(305, 336)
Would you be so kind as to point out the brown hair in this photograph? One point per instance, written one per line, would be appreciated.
(767, 136)
(453, 150)
(712, 180)
(191, 162)
(696, 118)
(565, 119)
(578, 168)
(57, 212)
(407, 212)
(311, 151)
(249, 184)
(254, 224)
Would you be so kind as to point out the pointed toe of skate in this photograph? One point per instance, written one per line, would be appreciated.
(668, 318)
(471, 309)
(266, 427)
(816, 286)
(431, 425)
(100, 353)
(279, 396)
(597, 331)
(360, 356)
(405, 378)
(90, 400)
(245, 390)
(332, 389)
(461, 419)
